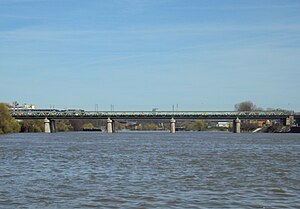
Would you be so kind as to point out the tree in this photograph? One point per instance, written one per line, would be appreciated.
(63, 126)
(247, 125)
(87, 126)
(119, 126)
(7, 123)
(195, 125)
(245, 106)
(15, 104)
(32, 126)
(200, 125)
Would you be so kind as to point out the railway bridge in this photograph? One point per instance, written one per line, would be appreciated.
(51, 115)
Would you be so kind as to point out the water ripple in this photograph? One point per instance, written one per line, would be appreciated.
(149, 170)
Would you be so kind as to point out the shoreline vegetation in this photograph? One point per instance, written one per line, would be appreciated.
(7, 123)
(10, 125)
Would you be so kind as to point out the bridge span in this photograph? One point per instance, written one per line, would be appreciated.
(50, 116)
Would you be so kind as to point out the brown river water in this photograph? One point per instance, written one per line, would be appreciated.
(150, 170)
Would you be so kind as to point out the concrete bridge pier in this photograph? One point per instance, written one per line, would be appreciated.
(237, 126)
(173, 126)
(52, 126)
(110, 126)
(47, 125)
(289, 121)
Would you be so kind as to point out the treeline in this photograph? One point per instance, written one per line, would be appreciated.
(61, 125)
(38, 126)
(196, 125)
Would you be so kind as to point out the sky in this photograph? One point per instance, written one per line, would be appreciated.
(144, 54)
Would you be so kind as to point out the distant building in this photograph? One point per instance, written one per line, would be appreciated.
(29, 106)
(223, 124)
(24, 107)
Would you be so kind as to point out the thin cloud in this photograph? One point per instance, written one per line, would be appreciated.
(53, 34)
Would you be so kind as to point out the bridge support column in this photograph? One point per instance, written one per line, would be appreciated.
(52, 126)
(110, 126)
(47, 125)
(237, 126)
(173, 126)
(113, 126)
(289, 121)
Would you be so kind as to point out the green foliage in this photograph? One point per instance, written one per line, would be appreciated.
(63, 126)
(200, 125)
(195, 126)
(87, 126)
(189, 126)
(39, 126)
(32, 126)
(7, 123)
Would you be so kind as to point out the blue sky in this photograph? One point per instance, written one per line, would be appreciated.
(141, 54)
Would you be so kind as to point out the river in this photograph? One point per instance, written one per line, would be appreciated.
(150, 170)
